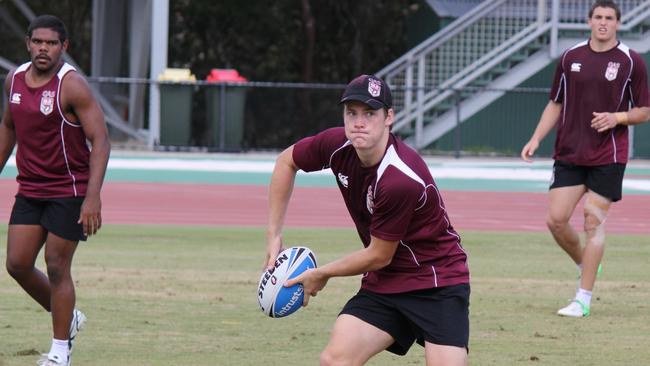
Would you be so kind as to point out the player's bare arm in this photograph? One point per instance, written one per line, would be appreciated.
(7, 132)
(547, 121)
(79, 105)
(280, 189)
(604, 121)
(376, 256)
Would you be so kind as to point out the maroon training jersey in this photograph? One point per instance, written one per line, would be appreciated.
(587, 81)
(395, 200)
(52, 156)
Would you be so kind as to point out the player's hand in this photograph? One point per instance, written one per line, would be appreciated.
(529, 150)
(273, 247)
(312, 281)
(603, 121)
(90, 216)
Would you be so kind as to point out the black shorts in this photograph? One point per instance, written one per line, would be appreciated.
(57, 215)
(438, 315)
(606, 180)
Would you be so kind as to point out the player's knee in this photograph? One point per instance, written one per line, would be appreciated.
(591, 222)
(595, 232)
(556, 224)
(330, 358)
(595, 224)
(17, 268)
(57, 268)
(325, 359)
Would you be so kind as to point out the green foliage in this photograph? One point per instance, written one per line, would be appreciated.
(76, 14)
(286, 40)
(269, 41)
(161, 295)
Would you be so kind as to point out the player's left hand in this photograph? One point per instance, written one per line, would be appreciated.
(603, 121)
(312, 281)
(90, 216)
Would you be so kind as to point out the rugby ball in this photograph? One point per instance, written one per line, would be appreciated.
(276, 300)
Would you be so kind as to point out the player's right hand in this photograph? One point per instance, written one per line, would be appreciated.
(312, 280)
(273, 247)
(529, 150)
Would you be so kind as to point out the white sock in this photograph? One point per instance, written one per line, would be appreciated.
(59, 351)
(584, 297)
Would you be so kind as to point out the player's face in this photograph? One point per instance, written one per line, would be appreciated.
(365, 127)
(45, 48)
(603, 24)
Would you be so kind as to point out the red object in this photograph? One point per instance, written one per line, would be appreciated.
(225, 75)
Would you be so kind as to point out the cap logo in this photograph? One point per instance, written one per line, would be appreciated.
(374, 87)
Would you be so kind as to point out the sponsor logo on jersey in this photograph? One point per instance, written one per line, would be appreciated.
(612, 70)
(370, 202)
(47, 102)
(343, 179)
(374, 87)
(15, 98)
(576, 66)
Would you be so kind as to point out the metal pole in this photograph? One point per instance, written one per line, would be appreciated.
(555, 20)
(457, 129)
(158, 62)
(408, 91)
(6, 64)
(25, 9)
(419, 121)
(541, 12)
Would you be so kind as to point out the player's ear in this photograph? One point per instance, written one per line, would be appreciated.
(390, 117)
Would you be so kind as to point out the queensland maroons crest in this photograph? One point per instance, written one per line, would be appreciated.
(47, 101)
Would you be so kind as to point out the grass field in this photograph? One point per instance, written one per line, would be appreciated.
(187, 296)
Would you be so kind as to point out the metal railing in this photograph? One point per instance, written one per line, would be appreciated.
(476, 44)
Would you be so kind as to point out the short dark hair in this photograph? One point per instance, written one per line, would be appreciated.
(605, 4)
(50, 22)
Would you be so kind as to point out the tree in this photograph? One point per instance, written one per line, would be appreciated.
(323, 41)
(76, 14)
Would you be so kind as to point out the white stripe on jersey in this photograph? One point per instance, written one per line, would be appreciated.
(64, 70)
(391, 158)
(20, 68)
(415, 260)
(347, 142)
